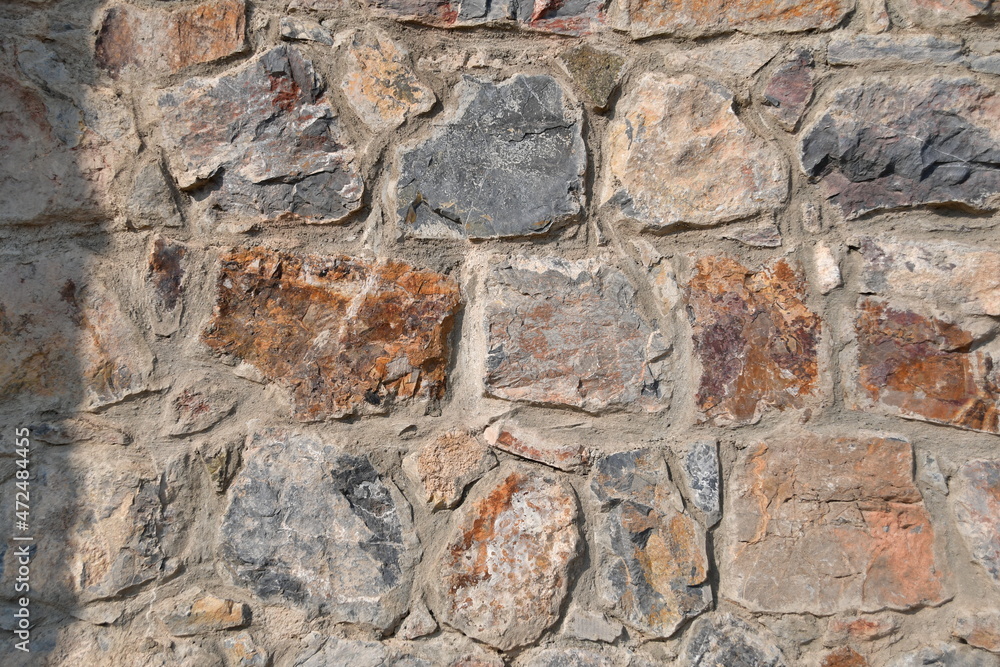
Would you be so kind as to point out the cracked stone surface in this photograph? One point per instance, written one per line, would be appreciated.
(165, 284)
(679, 154)
(343, 335)
(975, 491)
(576, 17)
(230, 139)
(896, 143)
(653, 568)
(568, 333)
(724, 639)
(790, 89)
(504, 567)
(310, 525)
(508, 160)
(839, 523)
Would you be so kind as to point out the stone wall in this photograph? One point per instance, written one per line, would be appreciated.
(434, 332)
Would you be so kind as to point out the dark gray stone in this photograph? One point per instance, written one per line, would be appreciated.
(730, 641)
(985, 64)
(889, 144)
(508, 162)
(310, 525)
(701, 470)
(888, 49)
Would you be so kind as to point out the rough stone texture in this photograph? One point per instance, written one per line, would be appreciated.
(444, 467)
(700, 470)
(301, 30)
(917, 367)
(446, 651)
(981, 629)
(577, 17)
(240, 650)
(944, 274)
(65, 342)
(844, 657)
(886, 49)
(724, 639)
(504, 568)
(379, 83)
(196, 614)
(79, 430)
(679, 154)
(839, 523)
(165, 285)
(945, 655)
(508, 160)
(340, 333)
(574, 657)
(151, 200)
(221, 460)
(896, 143)
(310, 525)
(418, 623)
(790, 89)
(644, 18)
(595, 72)
(510, 437)
(827, 269)
(168, 40)
(975, 492)
(935, 13)
(755, 337)
(568, 333)
(859, 628)
(590, 626)
(198, 405)
(250, 168)
(653, 568)
(728, 59)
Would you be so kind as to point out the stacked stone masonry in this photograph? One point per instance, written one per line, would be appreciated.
(419, 333)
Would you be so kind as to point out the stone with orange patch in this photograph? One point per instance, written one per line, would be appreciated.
(922, 367)
(653, 565)
(844, 657)
(343, 335)
(511, 437)
(195, 614)
(504, 569)
(755, 337)
(445, 466)
(975, 492)
(678, 154)
(859, 628)
(980, 629)
(823, 525)
(164, 41)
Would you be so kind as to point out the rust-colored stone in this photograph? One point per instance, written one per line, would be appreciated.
(922, 368)
(530, 444)
(168, 40)
(445, 466)
(823, 525)
(709, 17)
(860, 628)
(844, 657)
(755, 338)
(980, 629)
(342, 334)
(165, 281)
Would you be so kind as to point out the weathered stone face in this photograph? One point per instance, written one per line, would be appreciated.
(228, 138)
(934, 13)
(343, 335)
(883, 49)
(594, 71)
(168, 40)
(165, 285)
(380, 85)
(312, 526)
(568, 333)
(844, 657)
(838, 522)
(701, 472)
(508, 161)
(653, 565)
(889, 144)
(981, 629)
(790, 89)
(755, 337)
(511, 437)
(946, 655)
(577, 17)
(197, 405)
(194, 613)
(678, 154)
(445, 466)
(694, 19)
(504, 569)
(976, 496)
(919, 367)
(727, 640)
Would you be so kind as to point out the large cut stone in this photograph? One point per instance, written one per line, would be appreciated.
(653, 568)
(975, 492)
(164, 41)
(943, 274)
(343, 335)
(568, 333)
(711, 17)
(936, 13)
(65, 338)
(889, 144)
(727, 640)
(823, 525)
(262, 142)
(311, 525)
(504, 568)
(679, 154)
(755, 337)
(508, 160)
(576, 17)
(921, 367)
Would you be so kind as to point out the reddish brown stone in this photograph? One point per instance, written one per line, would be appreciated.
(981, 629)
(165, 281)
(168, 40)
(844, 657)
(789, 90)
(922, 368)
(531, 444)
(342, 334)
(755, 338)
(504, 569)
(860, 628)
(709, 17)
(824, 525)
(976, 494)
(555, 16)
